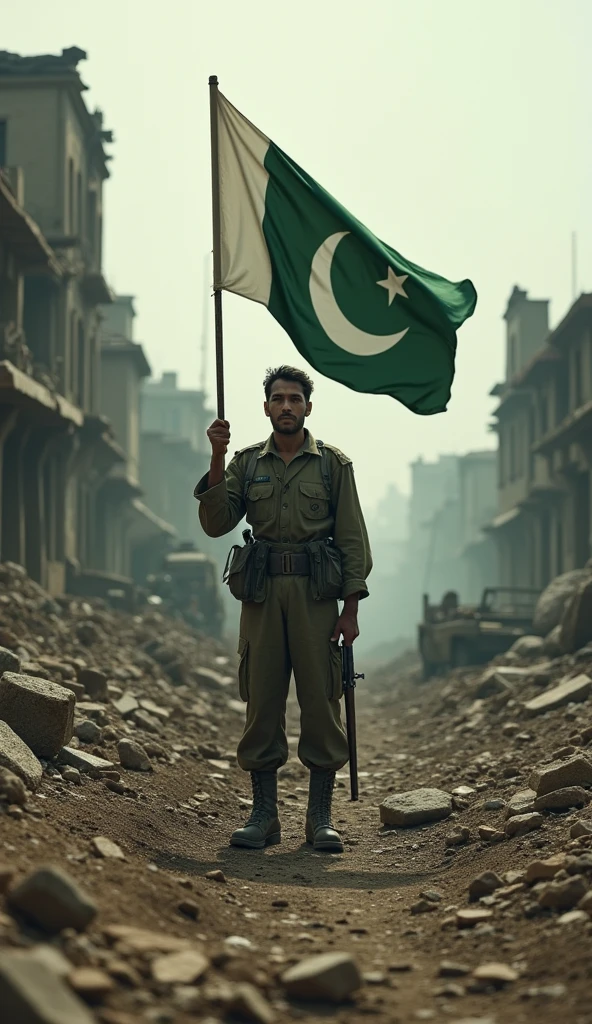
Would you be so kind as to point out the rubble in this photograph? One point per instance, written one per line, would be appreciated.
(330, 977)
(30, 992)
(562, 799)
(39, 711)
(569, 691)
(522, 824)
(132, 755)
(12, 789)
(415, 807)
(18, 758)
(577, 771)
(53, 900)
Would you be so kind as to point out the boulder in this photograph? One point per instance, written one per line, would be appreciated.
(552, 643)
(576, 621)
(94, 682)
(484, 885)
(329, 976)
(9, 661)
(16, 756)
(40, 712)
(415, 807)
(564, 894)
(562, 799)
(551, 604)
(569, 691)
(528, 646)
(30, 991)
(52, 900)
(575, 771)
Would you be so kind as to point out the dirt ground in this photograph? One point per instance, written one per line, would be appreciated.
(287, 902)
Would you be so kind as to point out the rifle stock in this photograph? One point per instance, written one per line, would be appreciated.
(349, 677)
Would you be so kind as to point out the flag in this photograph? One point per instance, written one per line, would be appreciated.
(356, 310)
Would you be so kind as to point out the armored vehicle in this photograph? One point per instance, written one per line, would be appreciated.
(188, 587)
(454, 635)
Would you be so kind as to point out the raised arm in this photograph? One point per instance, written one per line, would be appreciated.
(220, 492)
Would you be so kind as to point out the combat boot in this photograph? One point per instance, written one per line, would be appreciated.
(319, 830)
(263, 827)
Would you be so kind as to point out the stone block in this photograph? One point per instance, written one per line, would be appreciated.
(562, 799)
(575, 771)
(521, 824)
(332, 977)
(415, 807)
(94, 682)
(83, 761)
(31, 993)
(40, 712)
(569, 691)
(18, 758)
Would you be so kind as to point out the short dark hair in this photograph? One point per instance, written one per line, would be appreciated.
(290, 373)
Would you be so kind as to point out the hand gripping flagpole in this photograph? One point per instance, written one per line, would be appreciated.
(213, 83)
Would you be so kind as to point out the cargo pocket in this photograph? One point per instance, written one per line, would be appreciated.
(335, 683)
(314, 503)
(260, 502)
(243, 669)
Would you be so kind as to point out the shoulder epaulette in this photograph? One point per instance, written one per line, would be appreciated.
(249, 448)
(344, 459)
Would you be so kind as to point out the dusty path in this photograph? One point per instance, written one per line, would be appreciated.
(288, 902)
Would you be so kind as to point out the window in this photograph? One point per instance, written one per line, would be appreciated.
(3, 157)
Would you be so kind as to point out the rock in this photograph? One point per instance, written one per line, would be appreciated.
(581, 828)
(552, 643)
(248, 1003)
(495, 974)
(458, 837)
(576, 621)
(569, 691)
(189, 908)
(551, 604)
(95, 683)
(40, 712)
(30, 993)
(563, 895)
(484, 884)
(423, 907)
(586, 903)
(576, 771)
(183, 968)
(544, 870)
(9, 661)
(141, 940)
(331, 977)
(494, 805)
(127, 705)
(133, 756)
(12, 789)
(573, 917)
(463, 791)
(469, 917)
(91, 983)
(103, 847)
(489, 834)
(562, 799)
(451, 969)
(71, 775)
(216, 876)
(521, 803)
(88, 732)
(18, 758)
(415, 807)
(528, 646)
(163, 714)
(52, 900)
(84, 761)
(210, 679)
(521, 824)
(143, 720)
(491, 683)
(51, 958)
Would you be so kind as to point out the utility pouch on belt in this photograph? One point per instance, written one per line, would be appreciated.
(326, 573)
(245, 571)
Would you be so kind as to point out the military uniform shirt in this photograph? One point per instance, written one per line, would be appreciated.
(288, 504)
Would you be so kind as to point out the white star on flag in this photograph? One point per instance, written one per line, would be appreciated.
(394, 284)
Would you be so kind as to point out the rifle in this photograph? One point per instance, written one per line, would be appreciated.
(349, 677)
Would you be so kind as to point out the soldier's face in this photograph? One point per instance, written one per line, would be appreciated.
(287, 407)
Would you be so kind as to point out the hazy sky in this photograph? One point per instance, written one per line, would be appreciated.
(458, 130)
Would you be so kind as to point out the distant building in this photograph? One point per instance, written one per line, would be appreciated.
(477, 507)
(544, 423)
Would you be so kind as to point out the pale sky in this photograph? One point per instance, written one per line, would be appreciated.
(457, 130)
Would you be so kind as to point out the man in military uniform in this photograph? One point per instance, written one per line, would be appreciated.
(295, 491)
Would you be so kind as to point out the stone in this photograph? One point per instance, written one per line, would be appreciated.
(484, 885)
(415, 807)
(154, 709)
(423, 907)
(330, 977)
(189, 908)
(91, 983)
(521, 802)
(573, 917)
(182, 968)
(581, 828)
(562, 799)
(489, 834)
(9, 661)
(52, 900)
(495, 974)
(576, 621)
(103, 847)
(551, 603)
(463, 791)
(52, 958)
(458, 837)
(40, 712)
(216, 875)
(586, 903)
(564, 894)
(88, 732)
(127, 705)
(544, 870)
(451, 969)
(494, 805)
(12, 788)
(570, 691)
(469, 917)
(17, 757)
(492, 682)
(71, 775)
(210, 679)
(95, 683)
(30, 993)
(575, 771)
(148, 723)
(521, 824)
(6, 876)
(248, 1003)
(552, 643)
(527, 646)
(133, 756)
(141, 940)
(84, 761)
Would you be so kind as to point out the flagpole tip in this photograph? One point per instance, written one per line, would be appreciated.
(213, 80)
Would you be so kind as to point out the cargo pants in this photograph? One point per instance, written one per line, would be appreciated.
(290, 631)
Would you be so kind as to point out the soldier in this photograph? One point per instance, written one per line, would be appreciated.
(297, 494)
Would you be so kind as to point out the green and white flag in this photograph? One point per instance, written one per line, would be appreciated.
(356, 310)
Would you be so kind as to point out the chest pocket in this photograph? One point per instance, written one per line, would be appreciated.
(260, 502)
(314, 503)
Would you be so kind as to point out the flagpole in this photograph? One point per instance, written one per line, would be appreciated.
(219, 335)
